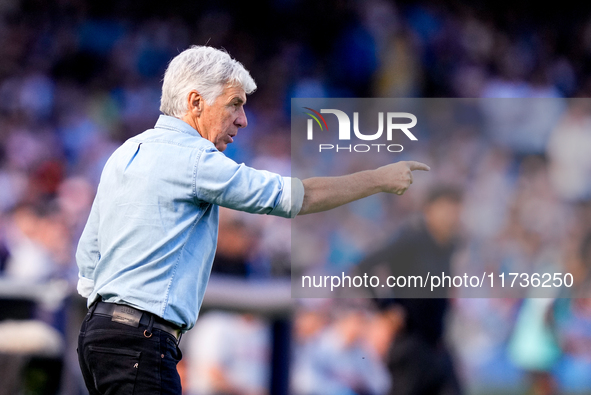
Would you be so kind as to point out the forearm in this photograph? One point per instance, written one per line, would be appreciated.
(326, 193)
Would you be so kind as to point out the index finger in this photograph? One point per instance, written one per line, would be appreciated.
(414, 165)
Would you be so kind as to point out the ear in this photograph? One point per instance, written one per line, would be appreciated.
(195, 103)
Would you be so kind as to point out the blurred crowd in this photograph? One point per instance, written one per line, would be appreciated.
(79, 77)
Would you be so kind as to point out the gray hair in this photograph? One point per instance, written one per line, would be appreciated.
(205, 69)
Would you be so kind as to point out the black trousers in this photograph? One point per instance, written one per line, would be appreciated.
(119, 359)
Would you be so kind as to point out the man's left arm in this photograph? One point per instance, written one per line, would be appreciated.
(87, 253)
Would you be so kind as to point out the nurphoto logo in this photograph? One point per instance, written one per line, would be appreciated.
(392, 125)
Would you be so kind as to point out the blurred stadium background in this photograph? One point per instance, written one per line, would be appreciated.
(79, 77)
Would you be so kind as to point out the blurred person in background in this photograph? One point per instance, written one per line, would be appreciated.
(336, 360)
(552, 339)
(418, 359)
(38, 244)
(309, 322)
(533, 346)
(530, 242)
(230, 355)
(237, 241)
(536, 235)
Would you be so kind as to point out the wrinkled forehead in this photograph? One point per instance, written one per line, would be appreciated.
(233, 93)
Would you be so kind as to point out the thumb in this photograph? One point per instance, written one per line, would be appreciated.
(413, 165)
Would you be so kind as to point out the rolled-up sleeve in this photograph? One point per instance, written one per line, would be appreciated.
(220, 180)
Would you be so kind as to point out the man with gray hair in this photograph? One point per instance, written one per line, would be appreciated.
(147, 249)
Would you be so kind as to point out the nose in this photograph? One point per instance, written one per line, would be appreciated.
(241, 120)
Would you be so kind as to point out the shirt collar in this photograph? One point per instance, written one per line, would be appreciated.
(172, 123)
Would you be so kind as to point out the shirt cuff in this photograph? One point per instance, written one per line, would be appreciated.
(291, 198)
(296, 193)
(85, 286)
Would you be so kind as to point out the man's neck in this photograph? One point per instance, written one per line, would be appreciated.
(192, 122)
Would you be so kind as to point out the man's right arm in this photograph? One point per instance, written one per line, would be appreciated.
(326, 193)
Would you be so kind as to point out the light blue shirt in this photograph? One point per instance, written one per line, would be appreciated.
(152, 232)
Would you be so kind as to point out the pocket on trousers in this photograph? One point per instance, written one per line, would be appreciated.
(113, 371)
(173, 350)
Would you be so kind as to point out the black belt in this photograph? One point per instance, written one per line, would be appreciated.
(128, 315)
